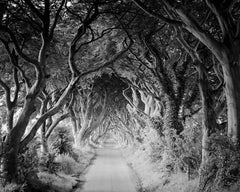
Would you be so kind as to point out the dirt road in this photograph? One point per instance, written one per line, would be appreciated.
(109, 173)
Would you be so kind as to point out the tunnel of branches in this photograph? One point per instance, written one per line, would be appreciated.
(160, 76)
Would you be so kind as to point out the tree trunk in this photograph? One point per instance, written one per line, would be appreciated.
(209, 124)
(232, 80)
(12, 144)
(45, 149)
(172, 127)
(11, 163)
(80, 137)
(44, 141)
(208, 127)
(10, 117)
(44, 144)
(171, 117)
(75, 125)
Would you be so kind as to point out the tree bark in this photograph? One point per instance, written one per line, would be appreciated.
(80, 136)
(75, 125)
(17, 132)
(44, 142)
(209, 125)
(13, 140)
(10, 117)
(232, 80)
(227, 53)
(171, 116)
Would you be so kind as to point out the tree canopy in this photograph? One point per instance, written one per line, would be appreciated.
(123, 69)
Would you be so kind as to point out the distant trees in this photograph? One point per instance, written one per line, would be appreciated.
(95, 106)
(89, 112)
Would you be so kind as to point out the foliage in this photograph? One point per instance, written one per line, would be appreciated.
(12, 187)
(189, 145)
(157, 124)
(58, 183)
(61, 141)
(67, 164)
(157, 63)
(156, 152)
(49, 164)
(64, 180)
(175, 152)
(28, 161)
(223, 165)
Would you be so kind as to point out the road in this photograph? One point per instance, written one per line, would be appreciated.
(109, 172)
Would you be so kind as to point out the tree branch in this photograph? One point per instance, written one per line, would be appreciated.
(17, 86)
(110, 62)
(192, 26)
(221, 20)
(49, 113)
(155, 15)
(34, 9)
(18, 49)
(7, 92)
(56, 18)
(14, 61)
(55, 123)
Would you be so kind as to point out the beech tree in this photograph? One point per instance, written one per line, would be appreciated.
(32, 90)
(96, 106)
(43, 25)
(222, 44)
(91, 112)
(64, 58)
(48, 126)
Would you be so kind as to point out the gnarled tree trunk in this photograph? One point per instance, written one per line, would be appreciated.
(208, 126)
(232, 81)
(13, 140)
(171, 116)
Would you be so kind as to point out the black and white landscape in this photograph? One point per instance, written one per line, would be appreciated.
(119, 96)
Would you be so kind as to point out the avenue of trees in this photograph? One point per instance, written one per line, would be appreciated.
(124, 68)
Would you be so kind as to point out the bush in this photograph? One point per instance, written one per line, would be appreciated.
(185, 149)
(67, 164)
(156, 151)
(222, 171)
(49, 164)
(61, 141)
(12, 187)
(58, 183)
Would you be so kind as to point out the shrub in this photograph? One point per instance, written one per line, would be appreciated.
(185, 150)
(58, 183)
(61, 141)
(222, 171)
(11, 187)
(67, 164)
(49, 164)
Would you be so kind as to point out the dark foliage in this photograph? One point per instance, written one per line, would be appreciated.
(61, 141)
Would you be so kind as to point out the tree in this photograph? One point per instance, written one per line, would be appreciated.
(92, 111)
(44, 28)
(222, 42)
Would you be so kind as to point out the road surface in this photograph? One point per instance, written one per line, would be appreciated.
(109, 173)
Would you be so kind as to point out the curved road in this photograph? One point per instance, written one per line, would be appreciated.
(109, 173)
